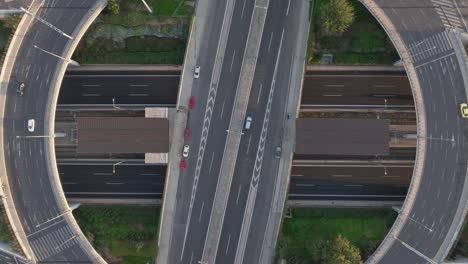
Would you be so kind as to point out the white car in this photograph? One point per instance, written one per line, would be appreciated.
(31, 125)
(248, 122)
(196, 73)
(186, 151)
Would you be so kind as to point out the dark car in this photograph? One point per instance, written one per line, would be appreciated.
(278, 152)
(20, 89)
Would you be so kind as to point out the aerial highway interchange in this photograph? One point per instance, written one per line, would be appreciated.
(251, 67)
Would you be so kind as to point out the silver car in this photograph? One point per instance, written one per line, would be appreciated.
(31, 125)
(196, 73)
(186, 150)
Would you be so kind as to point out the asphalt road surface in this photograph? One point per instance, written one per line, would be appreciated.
(428, 228)
(9, 258)
(136, 180)
(135, 87)
(125, 87)
(356, 88)
(197, 182)
(49, 233)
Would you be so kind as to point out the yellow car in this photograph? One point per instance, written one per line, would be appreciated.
(464, 110)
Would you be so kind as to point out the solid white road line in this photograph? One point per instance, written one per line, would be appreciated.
(259, 93)
(238, 194)
(305, 184)
(211, 163)
(344, 195)
(248, 145)
(383, 85)
(269, 44)
(102, 173)
(332, 95)
(229, 242)
(232, 61)
(201, 212)
(222, 109)
(243, 7)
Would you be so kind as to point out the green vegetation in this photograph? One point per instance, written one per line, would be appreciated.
(364, 42)
(127, 33)
(338, 250)
(113, 7)
(121, 234)
(4, 36)
(461, 248)
(310, 229)
(336, 16)
(5, 235)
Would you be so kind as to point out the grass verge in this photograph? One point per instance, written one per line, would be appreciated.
(461, 248)
(364, 228)
(135, 36)
(121, 234)
(365, 42)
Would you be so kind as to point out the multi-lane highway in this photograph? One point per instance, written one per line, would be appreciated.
(343, 180)
(149, 86)
(435, 60)
(209, 119)
(106, 180)
(121, 86)
(52, 233)
(133, 179)
(356, 86)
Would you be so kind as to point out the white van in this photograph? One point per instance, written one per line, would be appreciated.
(248, 122)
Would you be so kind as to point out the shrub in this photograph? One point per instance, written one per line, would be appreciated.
(113, 7)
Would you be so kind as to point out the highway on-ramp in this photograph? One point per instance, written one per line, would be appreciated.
(45, 217)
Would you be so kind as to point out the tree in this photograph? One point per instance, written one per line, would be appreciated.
(336, 16)
(113, 7)
(340, 251)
